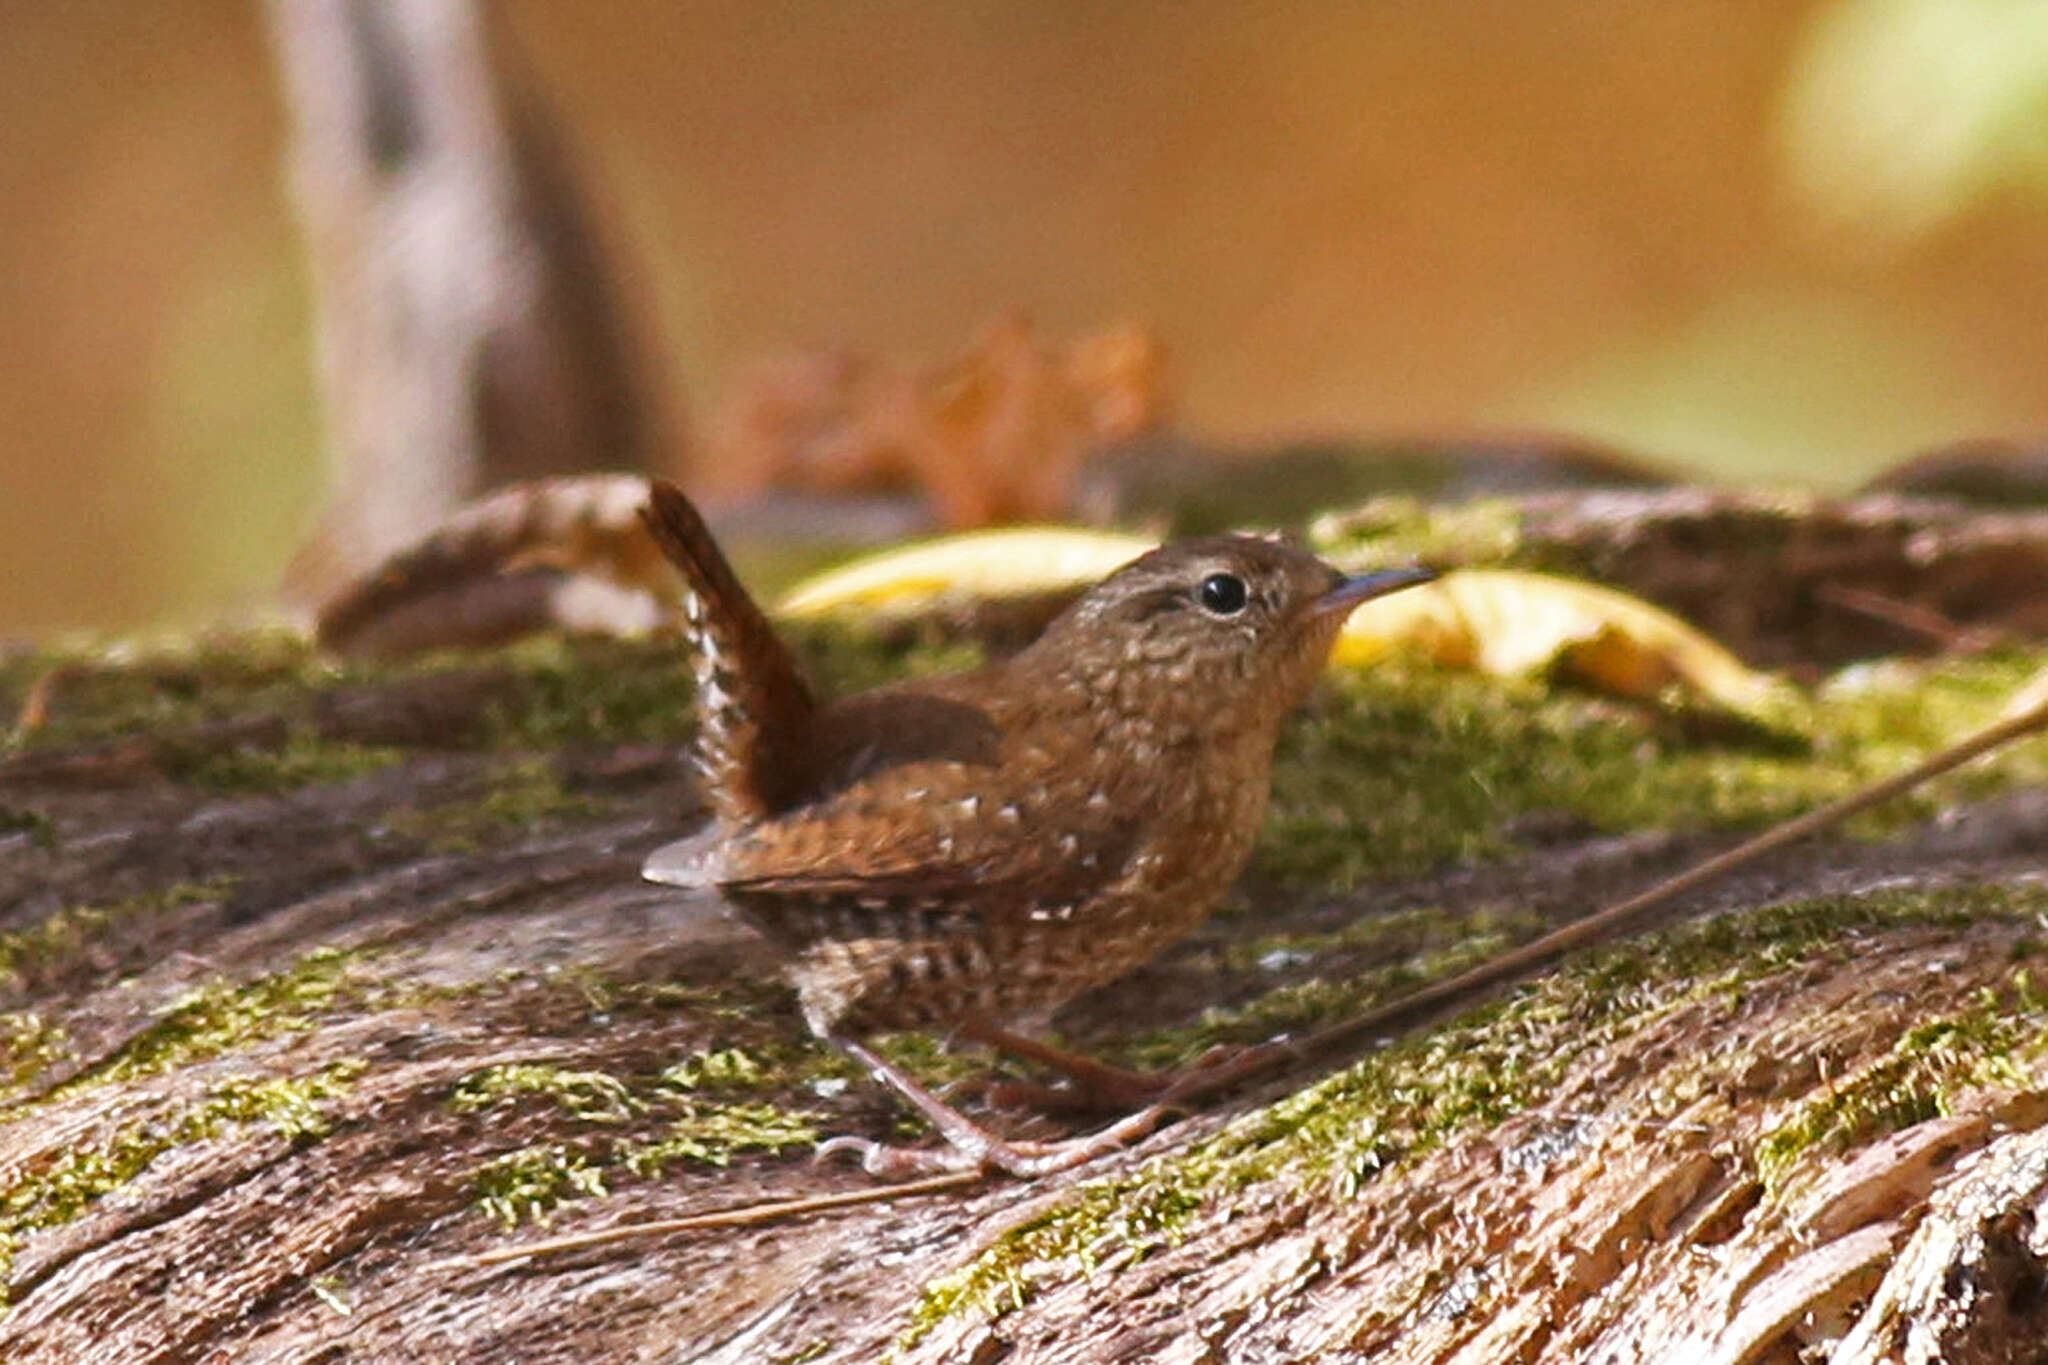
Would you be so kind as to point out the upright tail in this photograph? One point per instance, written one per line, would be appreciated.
(753, 707)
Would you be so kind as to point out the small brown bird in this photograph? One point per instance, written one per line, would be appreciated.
(961, 853)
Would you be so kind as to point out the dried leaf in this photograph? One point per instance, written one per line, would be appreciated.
(1508, 622)
(1500, 622)
(996, 434)
(556, 540)
(979, 564)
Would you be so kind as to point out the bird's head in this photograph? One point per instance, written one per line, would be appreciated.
(1223, 620)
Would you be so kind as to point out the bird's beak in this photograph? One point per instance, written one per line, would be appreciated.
(1366, 586)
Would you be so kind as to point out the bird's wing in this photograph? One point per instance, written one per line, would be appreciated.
(937, 835)
(754, 709)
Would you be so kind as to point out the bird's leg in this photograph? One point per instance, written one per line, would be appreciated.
(1100, 1085)
(1096, 1085)
(970, 1146)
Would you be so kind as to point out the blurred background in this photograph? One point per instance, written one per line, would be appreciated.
(1753, 239)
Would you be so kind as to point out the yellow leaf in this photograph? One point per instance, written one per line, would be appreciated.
(1508, 622)
(979, 564)
(1498, 621)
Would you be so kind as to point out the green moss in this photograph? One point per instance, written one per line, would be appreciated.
(531, 1182)
(543, 694)
(1395, 530)
(105, 691)
(1418, 1093)
(528, 1184)
(586, 1096)
(34, 954)
(217, 1018)
(28, 955)
(29, 1046)
(303, 759)
(54, 1195)
(198, 703)
(693, 1127)
(711, 1134)
(920, 1054)
(192, 700)
(1413, 947)
(846, 655)
(290, 1105)
(39, 828)
(560, 693)
(1993, 1042)
(1407, 766)
(523, 794)
(743, 1001)
(717, 1070)
(1403, 933)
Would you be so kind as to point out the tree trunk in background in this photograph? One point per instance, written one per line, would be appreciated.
(467, 332)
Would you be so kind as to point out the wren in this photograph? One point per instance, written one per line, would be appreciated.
(958, 854)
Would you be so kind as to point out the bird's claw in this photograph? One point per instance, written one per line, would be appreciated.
(1020, 1160)
(885, 1162)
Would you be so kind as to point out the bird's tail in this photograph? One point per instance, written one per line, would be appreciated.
(753, 707)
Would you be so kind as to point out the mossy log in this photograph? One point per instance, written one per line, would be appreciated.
(319, 981)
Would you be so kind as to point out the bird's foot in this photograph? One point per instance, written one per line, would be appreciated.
(1097, 1087)
(983, 1151)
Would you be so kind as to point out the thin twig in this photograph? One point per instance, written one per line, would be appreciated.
(2029, 714)
(1608, 923)
(1914, 618)
(723, 1218)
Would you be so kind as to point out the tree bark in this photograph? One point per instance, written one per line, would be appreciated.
(314, 981)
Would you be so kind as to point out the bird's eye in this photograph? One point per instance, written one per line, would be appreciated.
(1223, 593)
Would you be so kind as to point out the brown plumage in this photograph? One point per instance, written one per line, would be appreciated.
(964, 852)
(754, 710)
